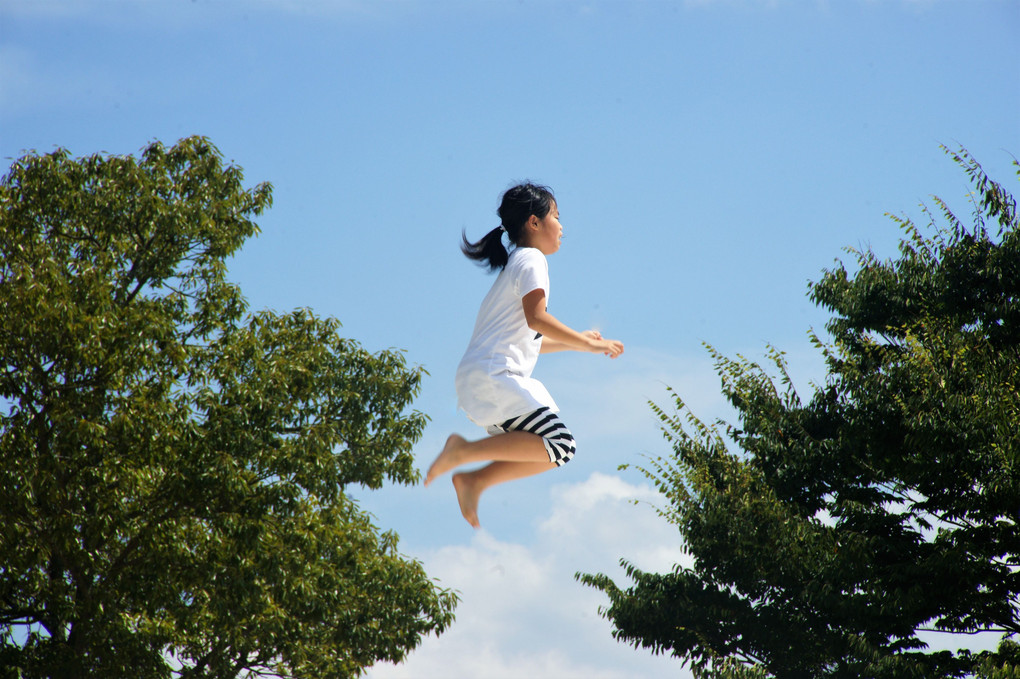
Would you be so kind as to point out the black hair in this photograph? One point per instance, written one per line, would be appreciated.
(517, 206)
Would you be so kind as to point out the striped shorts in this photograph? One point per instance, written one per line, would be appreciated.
(558, 440)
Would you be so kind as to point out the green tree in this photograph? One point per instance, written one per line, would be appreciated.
(827, 535)
(173, 470)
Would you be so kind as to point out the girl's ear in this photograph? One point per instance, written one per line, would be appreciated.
(530, 227)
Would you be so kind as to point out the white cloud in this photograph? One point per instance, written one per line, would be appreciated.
(606, 518)
(522, 612)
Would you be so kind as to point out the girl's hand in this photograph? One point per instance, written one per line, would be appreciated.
(613, 348)
(610, 348)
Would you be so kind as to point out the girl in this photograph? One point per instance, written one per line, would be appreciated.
(494, 383)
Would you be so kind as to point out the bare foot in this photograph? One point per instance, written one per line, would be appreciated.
(447, 459)
(467, 496)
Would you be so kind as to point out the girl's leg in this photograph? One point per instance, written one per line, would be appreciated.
(514, 446)
(470, 485)
(533, 443)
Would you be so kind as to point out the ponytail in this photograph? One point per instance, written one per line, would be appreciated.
(518, 205)
(489, 251)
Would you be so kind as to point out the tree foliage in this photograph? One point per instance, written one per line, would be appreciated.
(827, 536)
(173, 469)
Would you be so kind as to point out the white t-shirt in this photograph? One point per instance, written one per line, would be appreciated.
(494, 382)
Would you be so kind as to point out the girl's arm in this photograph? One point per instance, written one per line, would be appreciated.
(561, 336)
(551, 345)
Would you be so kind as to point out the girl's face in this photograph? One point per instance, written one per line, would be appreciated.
(545, 234)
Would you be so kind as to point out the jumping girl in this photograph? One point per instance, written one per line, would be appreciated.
(494, 383)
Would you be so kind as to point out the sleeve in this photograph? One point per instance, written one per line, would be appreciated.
(532, 274)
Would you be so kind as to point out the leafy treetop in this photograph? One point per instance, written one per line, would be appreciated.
(828, 535)
(174, 469)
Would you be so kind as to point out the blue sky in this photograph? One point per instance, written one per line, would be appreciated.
(711, 157)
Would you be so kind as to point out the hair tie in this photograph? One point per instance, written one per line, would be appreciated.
(502, 228)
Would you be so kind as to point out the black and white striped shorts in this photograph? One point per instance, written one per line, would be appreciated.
(558, 440)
